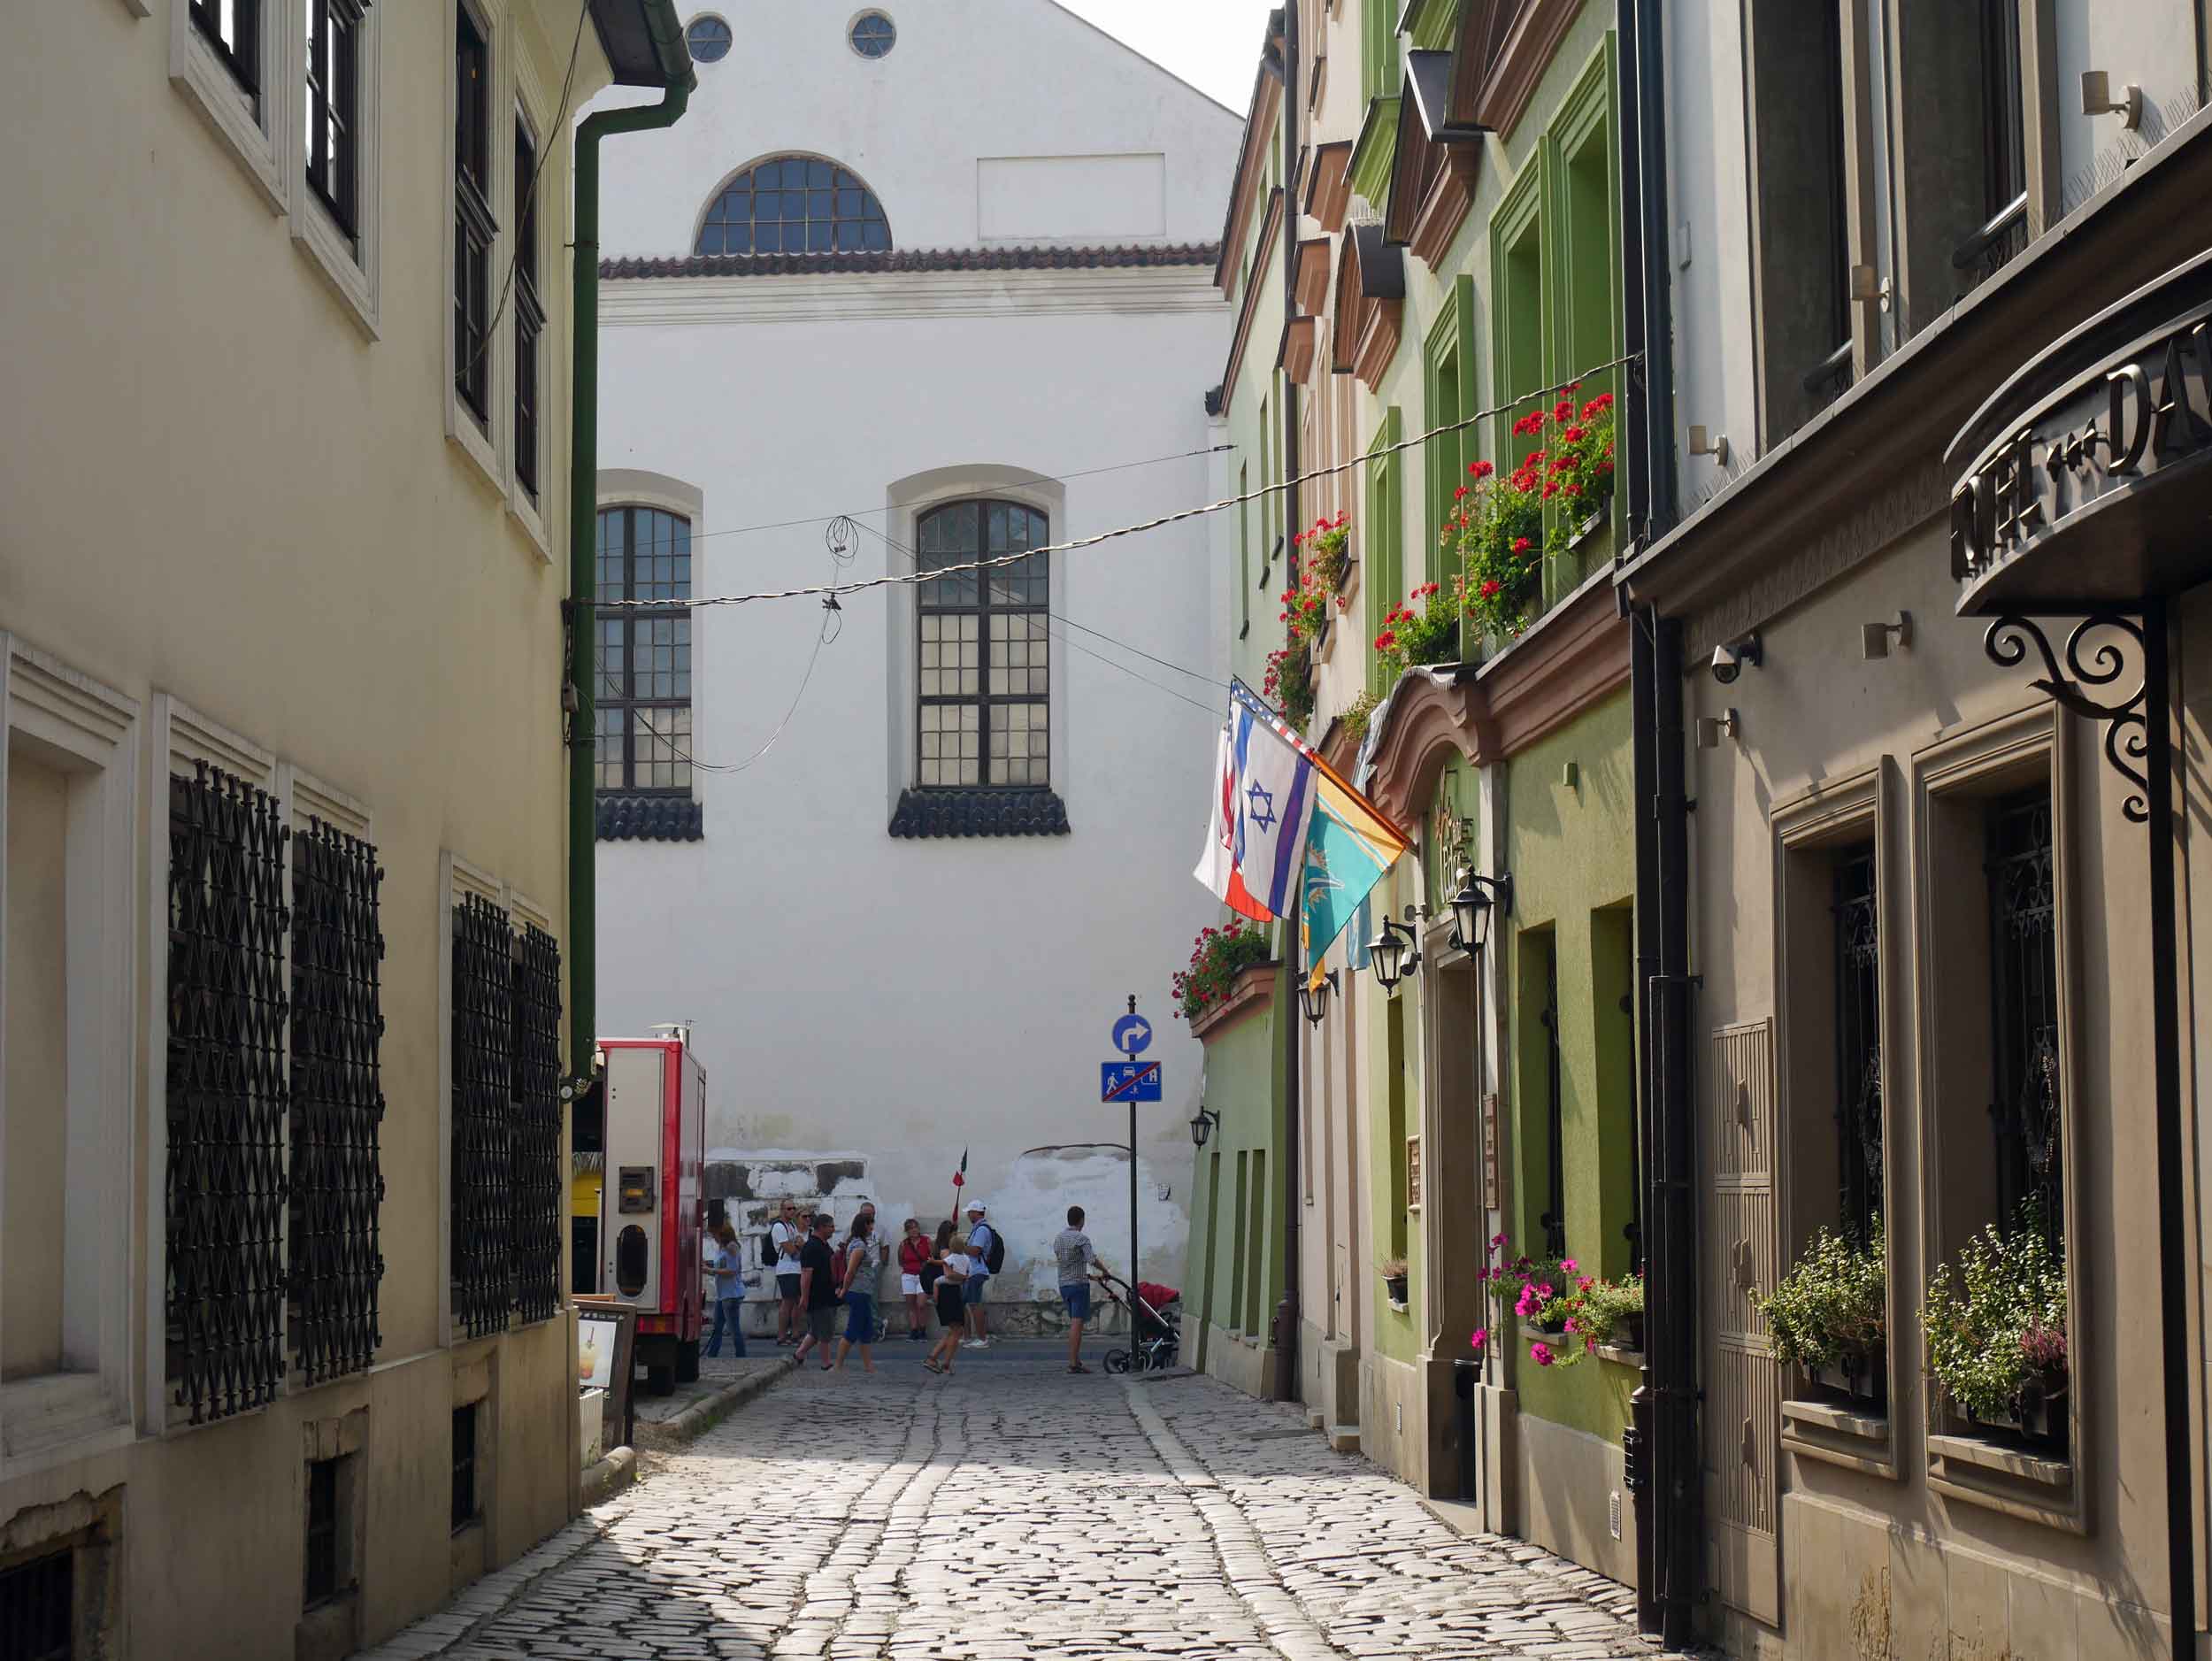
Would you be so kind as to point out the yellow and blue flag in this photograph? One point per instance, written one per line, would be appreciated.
(1348, 848)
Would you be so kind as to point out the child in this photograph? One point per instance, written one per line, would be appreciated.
(950, 1309)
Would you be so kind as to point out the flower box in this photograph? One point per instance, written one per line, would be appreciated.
(1590, 528)
(1253, 987)
(1395, 1286)
(2037, 1414)
(1858, 1376)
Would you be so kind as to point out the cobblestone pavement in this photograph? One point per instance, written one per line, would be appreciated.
(1014, 1513)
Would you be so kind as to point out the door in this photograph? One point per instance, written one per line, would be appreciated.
(1743, 1412)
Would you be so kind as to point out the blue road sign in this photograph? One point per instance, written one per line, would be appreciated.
(1133, 1033)
(1128, 1080)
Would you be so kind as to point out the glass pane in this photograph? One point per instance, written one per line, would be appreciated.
(819, 237)
(767, 238)
(817, 173)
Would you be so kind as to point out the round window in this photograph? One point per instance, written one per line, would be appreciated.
(709, 38)
(873, 35)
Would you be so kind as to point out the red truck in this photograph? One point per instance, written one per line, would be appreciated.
(650, 1211)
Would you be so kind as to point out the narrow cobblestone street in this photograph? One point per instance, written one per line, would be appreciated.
(1013, 1512)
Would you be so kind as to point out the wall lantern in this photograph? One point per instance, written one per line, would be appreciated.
(1472, 907)
(1202, 1126)
(1395, 952)
(1314, 996)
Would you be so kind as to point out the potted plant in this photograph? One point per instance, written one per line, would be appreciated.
(1498, 530)
(1218, 957)
(1289, 682)
(1430, 635)
(1393, 1274)
(1829, 1315)
(1995, 1323)
(1613, 1312)
(1328, 556)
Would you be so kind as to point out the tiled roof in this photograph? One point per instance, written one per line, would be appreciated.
(1159, 255)
(648, 818)
(980, 813)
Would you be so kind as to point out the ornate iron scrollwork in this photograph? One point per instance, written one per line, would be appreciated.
(2127, 735)
(541, 1227)
(337, 1186)
(226, 1096)
(483, 1117)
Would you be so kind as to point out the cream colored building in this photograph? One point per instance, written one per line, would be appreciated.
(285, 1355)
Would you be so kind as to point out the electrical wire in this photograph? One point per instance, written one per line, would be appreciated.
(897, 578)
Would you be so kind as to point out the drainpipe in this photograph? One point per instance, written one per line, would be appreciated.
(583, 541)
(1286, 1312)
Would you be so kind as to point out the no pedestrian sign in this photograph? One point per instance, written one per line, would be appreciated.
(1128, 1080)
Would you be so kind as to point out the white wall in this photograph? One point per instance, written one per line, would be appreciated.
(981, 79)
(907, 999)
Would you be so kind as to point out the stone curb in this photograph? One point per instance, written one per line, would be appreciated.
(610, 1476)
(705, 1413)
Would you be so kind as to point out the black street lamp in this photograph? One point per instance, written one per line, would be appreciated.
(1471, 906)
(1393, 952)
(1202, 1126)
(1314, 996)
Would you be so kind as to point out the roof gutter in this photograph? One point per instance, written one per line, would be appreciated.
(674, 59)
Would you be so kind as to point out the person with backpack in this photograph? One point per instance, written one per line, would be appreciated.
(864, 1258)
(986, 1255)
(913, 1258)
(779, 1256)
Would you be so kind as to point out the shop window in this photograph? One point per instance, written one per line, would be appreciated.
(1381, 530)
(1613, 1011)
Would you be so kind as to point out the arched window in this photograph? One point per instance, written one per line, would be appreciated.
(795, 205)
(984, 704)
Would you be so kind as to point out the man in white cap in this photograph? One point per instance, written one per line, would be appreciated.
(983, 1244)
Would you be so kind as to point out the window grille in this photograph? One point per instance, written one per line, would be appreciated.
(795, 205)
(1858, 972)
(337, 1179)
(483, 1118)
(1554, 1220)
(333, 107)
(322, 1532)
(529, 310)
(984, 709)
(227, 1099)
(540, 1225)
(642, 701)
(473, 225)
(464, 1465)
(2024, 986)
(232, 29)
(38, 1609)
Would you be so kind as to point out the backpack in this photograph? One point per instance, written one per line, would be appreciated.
(995, 1258)
(769, 1256)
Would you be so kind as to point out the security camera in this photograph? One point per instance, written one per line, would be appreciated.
(1729, 657)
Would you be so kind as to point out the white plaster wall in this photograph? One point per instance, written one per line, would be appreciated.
(2151, 43)
(981, 78)
(909, 999)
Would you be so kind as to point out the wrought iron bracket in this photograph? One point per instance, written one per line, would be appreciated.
(2088, 666)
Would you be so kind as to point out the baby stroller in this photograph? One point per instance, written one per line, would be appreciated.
(1155, 1322)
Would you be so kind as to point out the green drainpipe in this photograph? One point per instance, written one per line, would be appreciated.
(583, 540)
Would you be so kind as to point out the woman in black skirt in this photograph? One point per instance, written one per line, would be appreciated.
(941, 1276)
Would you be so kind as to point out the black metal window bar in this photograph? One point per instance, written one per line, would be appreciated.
(333, 108)
(483, 1118)
(2004, 233)
(464, 1465)
(337, 1179)
(227, 1098)
(1554, 1220)
(984, 709)
(38, 1609)
(232, 29)
(2024, 986)
(473, 225)
(1858, 972)
(322, 1532)
(529, 309)
(541, 1217)
(642, 701)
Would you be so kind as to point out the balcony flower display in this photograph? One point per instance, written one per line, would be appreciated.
(1568, 1311)
(1316, 572)
(1828, 1314)
(1218, 957)
(1995, 1325)
(1497, 531)
(1289, 683)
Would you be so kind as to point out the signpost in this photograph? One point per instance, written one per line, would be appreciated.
(1132, 1082)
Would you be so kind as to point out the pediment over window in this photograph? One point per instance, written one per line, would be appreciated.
(1329, 184)
(1500, 55)
(1370, 303)
(1432, 173)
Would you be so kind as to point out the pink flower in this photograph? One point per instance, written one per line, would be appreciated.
(1568, 1266)
(1571, 1325)
(1540, 1354)
(1479, 1337)
(1497, 1240)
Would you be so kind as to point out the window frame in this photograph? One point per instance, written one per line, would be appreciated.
(748, 175)
(476, 228)
(348, 258)
(629, 618)
(729, 41)
(1382, 538)
(872, 14)
(255, 124)
(984, 609)
(532, 319)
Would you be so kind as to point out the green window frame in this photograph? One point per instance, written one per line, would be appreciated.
(1244, 551)
(1382, 526)
(1270, 502)
(1449, 394)
(1379, 47)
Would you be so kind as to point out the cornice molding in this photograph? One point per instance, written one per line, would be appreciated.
(1242, 338)
(661, 301)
